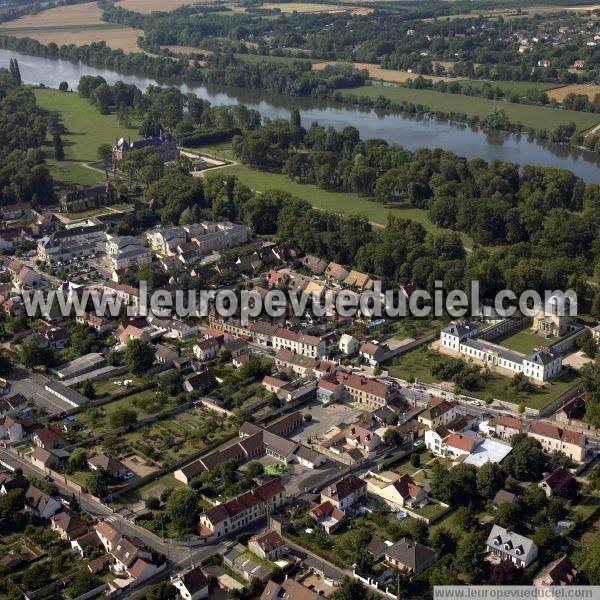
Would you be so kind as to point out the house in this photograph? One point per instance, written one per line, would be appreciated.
(373, 354)
(503, 496)
(9, 482)
(558, 573)
(397, 491)
(40, 504)
(557, 483)
(108, 534)
(109, 464)
(336, 272)
(48, 438)
(200, 382)
(163, 145)
(27, 279)
(346, 493)
(191, 584)
(557, 317)
(365, 390)
(377, 547)
(314, 264)
(92, 320)
(328, 516)
(232, 515)
(309, 458)
(47, 459)
(440, 412)
(206, 349)
(358, 281)
(269, 546)
(329, 391)
(86, 543)
(353, 437)
(508, 545)
(12, 562)
(88, 198)
(16, 429)
(348, 345)
(165, 355)
(10, 212)
(556, 439)
(55, 338)
(69, 526)
(290, 589)
(406, 555)
(506, 426)
(16, 404)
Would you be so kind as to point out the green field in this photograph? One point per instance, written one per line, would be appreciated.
(86, 129)
(508, 87)
(536, 117)
(337, 202)
(418, 363)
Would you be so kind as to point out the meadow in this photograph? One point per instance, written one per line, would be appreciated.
(147, 6)
(343, 203)
(86, 129)
(377, 72)
(510, 87)
(589, 90)
(307, 7)
(535, 117)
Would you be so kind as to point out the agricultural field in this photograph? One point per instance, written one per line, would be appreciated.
(589, 90)
(377, 72)
(86, 129)
(307, 7)
(536, 117)
(77, 24)
(510, 87)
(147, 6)
(418, 363)
(339, 202)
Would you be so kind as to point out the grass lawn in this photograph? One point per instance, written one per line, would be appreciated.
(524, 341)
(429, 511)
(156, 487)
(86, 129)
(418, 363)
(275, 469)
(508, 87)
(338, 202)
(536, 117)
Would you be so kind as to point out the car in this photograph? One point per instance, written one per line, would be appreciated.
(314, 491)
(418, 443)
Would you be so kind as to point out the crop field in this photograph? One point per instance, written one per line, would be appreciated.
(536, 117)
(510, 87)
(147, 6)
(589, 90)
(187, 50)
(377, 72)
(61, 16)
(77, 24)
(86, 129)
(306, 7)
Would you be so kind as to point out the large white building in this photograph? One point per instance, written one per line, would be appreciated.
(541, 365)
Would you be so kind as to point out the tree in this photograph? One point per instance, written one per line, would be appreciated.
(34, 355)
(489, 480)
(152, 502)
(506, 573)
(97, 482)
(351, 589)
(104, 152)
(182, 507)
(254, 469)
(83, 582)
(415, 459)
(139, 356)
(59, 151)
(123, 416)
(364, 562)
(5, 365)
(443, 541)
(12, 502)
(63, 86)
(391, 437)
(469, 556)
(508, 515)
(77, 460)
(88, 390)
(527, 460)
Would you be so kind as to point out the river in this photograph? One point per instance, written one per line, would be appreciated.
(409, 132)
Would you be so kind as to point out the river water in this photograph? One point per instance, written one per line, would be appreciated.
(409, 132)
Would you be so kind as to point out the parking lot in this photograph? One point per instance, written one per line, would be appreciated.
(324, 418)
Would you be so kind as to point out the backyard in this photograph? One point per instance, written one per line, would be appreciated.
(417, 364)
